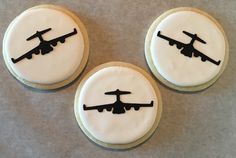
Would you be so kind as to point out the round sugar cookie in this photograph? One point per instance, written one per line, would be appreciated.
(186, 49)
(46, 47)
(118, 105)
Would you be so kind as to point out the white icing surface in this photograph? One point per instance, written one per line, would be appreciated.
(117, 128)
(174, 66)
(51, 68)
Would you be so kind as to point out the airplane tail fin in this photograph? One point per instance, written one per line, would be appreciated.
(194, 36)
(117, 92)
(38, 33)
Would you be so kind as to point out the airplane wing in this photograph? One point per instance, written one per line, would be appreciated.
(136, 106)
(172, 42)
(100, 108)
(61, 39)
(27, 55)
(204, 57)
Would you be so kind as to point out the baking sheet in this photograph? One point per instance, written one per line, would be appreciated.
(36, 124)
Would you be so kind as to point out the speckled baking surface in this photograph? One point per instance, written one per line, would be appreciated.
(36, 124)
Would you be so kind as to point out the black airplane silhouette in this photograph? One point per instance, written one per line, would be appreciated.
(188, 49)
(118, 106)
(44, 46)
